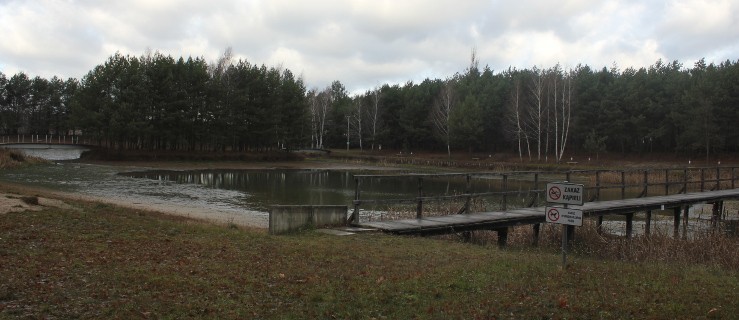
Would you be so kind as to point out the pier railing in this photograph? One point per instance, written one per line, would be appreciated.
(601, 184)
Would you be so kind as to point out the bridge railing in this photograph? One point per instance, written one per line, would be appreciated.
(43, 138)
(527, 187)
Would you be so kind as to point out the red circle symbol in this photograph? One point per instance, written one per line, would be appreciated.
(553, 214)
(555, 193)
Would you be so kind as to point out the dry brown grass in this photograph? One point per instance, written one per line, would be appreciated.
(105, 262)
(712, 248)
(13, 159)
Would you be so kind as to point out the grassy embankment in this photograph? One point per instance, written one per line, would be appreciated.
(101, 261)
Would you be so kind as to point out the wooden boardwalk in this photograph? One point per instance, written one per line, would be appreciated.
(502, 219)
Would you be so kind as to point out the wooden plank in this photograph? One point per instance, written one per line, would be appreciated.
(459, 219)
(385, 225)
(501, 215)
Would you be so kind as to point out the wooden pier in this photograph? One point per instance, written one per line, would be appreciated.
(502, 219)
(711, 185)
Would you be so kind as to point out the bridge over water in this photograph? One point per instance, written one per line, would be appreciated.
(50, 147)
(42, 139)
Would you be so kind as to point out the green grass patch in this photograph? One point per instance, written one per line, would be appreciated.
(107, 262)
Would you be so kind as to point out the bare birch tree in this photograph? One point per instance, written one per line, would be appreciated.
(515, 118)
(218, 68)
(537, 114)
(554, 75)
(441, 113)
(357, 115)
(561, 92)
(566, 110)
(313, 104)
(373, 113)
(323, 105)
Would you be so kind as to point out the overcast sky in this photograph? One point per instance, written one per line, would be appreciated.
(365, 43)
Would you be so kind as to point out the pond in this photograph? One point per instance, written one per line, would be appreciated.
(238, 191)
(262, 188)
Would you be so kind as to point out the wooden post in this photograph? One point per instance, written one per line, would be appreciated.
(599, 225)
(685, 180)
(623, 184)
(629, 224)
(667, 181)
(419, 208)
(502, 237)
(646, 183)
(703, 179)
(716, 214)
(536, 187)
(718, 178)
(537, 229)
(597, 186)
(686, 209)
(505, 192)
(648, 224)
(468, 190)
(676, 222)
(355, 215)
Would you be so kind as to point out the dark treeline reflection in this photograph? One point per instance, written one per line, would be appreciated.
(268, 187)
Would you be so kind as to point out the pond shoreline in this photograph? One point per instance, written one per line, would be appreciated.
(218, 216)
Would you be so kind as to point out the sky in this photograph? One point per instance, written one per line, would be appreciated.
(367, 43)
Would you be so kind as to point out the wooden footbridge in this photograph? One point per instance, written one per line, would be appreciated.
(630, 191)
(41, 139)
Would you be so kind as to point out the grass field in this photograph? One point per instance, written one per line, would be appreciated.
(101, 261)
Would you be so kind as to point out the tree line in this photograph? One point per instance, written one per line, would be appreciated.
(157, 102)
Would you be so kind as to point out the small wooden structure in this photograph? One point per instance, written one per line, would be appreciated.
(695, 186)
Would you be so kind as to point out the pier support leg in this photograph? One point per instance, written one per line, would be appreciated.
(502, 237)
(676, 222)
(599, 225)
(629, 224)
(570, 233)
(467, 236)
(686, 209)
(648, 225)
(716, 214)
(537, 229)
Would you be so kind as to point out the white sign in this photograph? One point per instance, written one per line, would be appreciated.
(565, 193)
(567, 216)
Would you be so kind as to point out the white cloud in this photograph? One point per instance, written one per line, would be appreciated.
(689, 27)
(367, 42)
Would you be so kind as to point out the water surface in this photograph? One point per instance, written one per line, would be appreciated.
(54, 152)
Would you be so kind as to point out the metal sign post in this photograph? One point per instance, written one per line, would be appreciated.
(566, 194)
(564, 244)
